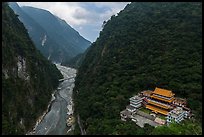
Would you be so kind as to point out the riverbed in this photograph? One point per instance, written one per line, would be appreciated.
(54, 121)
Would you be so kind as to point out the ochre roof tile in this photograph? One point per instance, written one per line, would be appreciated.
(163, 92)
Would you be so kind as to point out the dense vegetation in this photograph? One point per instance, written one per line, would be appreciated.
(146, 45)
(28, 79)
(76, 61)
(62, 41)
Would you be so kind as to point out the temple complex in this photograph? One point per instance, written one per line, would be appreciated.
(159, 102)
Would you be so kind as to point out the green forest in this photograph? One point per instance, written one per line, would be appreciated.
(146, 45)
(23, 100)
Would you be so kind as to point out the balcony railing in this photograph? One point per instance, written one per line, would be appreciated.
(136, 102)
(162, 97)
(158, 98)
(159, 104)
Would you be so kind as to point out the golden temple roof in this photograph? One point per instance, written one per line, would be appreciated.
(157, 110)
(163, 92)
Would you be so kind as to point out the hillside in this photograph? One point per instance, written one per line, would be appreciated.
(56, 40)
(28, 78)
(76, 61)
(146, 45)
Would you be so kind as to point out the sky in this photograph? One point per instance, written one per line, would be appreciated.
(85, 17)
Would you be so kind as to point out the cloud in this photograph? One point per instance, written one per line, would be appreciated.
(81, 14)
(64, 10)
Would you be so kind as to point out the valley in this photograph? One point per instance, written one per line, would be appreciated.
(142, 75)
(54, 121)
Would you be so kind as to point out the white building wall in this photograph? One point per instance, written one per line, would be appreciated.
(177, 118)
(136, 106)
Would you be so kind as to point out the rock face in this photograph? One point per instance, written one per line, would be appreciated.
(28, 78)
(44, 40)
(56, 39)
(21, 65)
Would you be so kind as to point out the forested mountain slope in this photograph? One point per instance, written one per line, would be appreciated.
(76, 61)
(28, 78)
(56, 39)
(146, 45)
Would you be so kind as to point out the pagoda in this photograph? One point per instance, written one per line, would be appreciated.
(160, 100)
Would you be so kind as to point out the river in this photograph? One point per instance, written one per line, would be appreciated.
(54, 121)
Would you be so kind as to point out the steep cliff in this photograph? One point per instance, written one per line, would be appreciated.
(56, 39)
(28, 78)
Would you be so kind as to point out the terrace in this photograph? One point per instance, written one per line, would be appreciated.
(157, 110)
(159, 104)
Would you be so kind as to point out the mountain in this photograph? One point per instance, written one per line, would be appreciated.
(28, 78)
(146, 45)
(76, 61)
(57, 40)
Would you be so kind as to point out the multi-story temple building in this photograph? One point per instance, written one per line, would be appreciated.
(136, 101)
(177, 115)
(160, 101)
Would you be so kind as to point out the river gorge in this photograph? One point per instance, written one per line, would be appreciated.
(60, 108)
